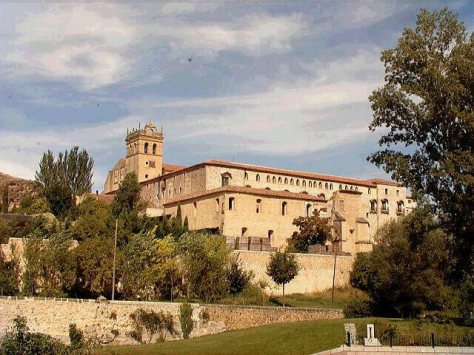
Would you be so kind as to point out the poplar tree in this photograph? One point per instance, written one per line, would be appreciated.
(426, 111)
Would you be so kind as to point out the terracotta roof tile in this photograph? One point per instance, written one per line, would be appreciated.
(246, 190)
(171, 168)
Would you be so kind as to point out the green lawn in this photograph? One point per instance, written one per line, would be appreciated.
(322, 299)
(289, 338)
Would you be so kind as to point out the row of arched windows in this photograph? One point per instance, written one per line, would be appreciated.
(303, 183)
(135, 148)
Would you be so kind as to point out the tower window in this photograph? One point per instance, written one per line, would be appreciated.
(146, 148)
(386, 191)
(146, 176)
(231, 203)
(152, 164)
(284, 208)
(258, 208)
(154, 148)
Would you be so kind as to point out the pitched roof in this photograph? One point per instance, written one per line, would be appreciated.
(246, 190)
(384, 182)
(171, 168)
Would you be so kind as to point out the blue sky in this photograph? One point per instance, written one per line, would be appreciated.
(270, 83)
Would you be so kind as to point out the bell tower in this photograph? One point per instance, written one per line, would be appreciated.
(145, 152)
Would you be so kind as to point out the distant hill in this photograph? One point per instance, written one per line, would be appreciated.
(12, 189)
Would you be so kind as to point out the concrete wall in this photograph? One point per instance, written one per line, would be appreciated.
(96, 319)
(316, 271)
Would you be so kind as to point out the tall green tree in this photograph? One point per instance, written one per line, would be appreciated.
(282, 268)
(150, 265)
(70, 174)
(311, 230)
(406, 273)
(205, 259)
(427, 104)
(127, 198)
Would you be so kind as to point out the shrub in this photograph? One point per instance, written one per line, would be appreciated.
(19, 341)
(205, 316)
(76, 337)
(358, 308)
(186, 319)
(152, 322)
(237, 278)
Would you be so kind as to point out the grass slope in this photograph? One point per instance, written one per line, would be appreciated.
(287, 338)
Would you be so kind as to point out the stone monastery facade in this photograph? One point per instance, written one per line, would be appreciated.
(252, 202)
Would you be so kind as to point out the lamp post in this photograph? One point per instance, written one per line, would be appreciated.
(336, 241)
(113, 272)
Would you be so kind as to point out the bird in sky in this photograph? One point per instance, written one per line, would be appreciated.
(190, 59)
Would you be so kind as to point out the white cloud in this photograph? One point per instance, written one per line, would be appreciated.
(76, 42)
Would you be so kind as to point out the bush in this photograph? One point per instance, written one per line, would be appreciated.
(152, 322)
(237, 278)
(19, 341)
(358, 308)
(76, 337)
(186, 319)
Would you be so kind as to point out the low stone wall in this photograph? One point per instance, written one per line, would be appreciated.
(98, 319)
(241, 317)
(315, 275)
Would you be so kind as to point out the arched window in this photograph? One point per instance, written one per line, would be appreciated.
(257, 177)
(258, 207)
(279, 180)
(284, 208)
(274, 180)
(400, 207)
(297, 182)
(340, 186)
(292, 182)
(330, 187)
(352, 187)
(226, 179)
(356, 188)
(146, 148)
(270, 235)
(369, 191)
(384, 206)
(346, 188)
(268, 178)
(310, 184)
(308, 210)
(286, 181)
(231, 203)
(325, 186)
(154, 148)
(373, 206)
(322, 195)
(303, 183)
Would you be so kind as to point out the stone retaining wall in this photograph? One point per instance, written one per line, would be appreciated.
(241, 317)
(97, 319)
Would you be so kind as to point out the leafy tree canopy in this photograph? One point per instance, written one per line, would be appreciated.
(312, 230)
(70, 174)
(406, 273)
(282, 268)
(427, 104)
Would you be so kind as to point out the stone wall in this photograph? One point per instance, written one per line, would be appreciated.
(98, 319)
(241, 317)
(316, 271)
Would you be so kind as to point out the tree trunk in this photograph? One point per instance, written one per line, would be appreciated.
(283, 294)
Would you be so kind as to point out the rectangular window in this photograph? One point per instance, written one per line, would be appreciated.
(231, 203)
(152, 164)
